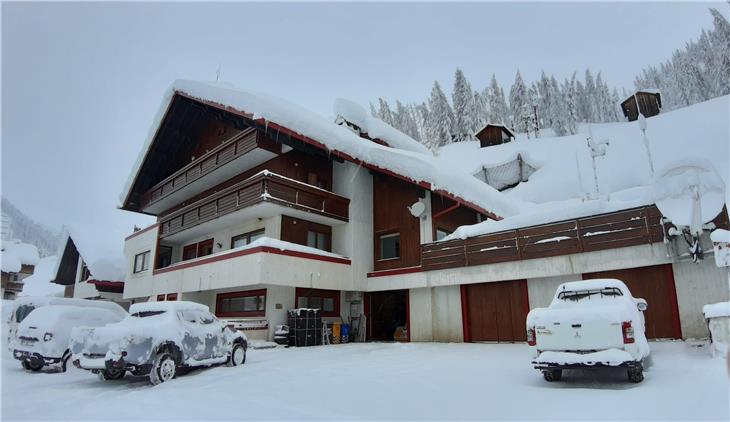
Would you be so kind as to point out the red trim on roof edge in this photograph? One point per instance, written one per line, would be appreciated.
(396, 271)
(138, 232)
(264, 249)
(340, 154)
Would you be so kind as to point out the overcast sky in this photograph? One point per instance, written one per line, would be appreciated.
(81, 82)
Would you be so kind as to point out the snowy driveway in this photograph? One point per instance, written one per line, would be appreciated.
(380, 381)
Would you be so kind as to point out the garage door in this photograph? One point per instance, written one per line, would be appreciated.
(495, 311)
(656, 285)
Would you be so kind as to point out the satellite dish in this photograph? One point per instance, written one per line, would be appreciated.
(690, 193)
(417, 209)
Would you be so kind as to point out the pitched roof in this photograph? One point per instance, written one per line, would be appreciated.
(314, 129)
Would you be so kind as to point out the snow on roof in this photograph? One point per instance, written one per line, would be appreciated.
(102, 254)
(503, 126)
(720, 236)
(376, 128)
(14, 254)
(559, 188)
(39, 284)
(171, 306)
(419, 167)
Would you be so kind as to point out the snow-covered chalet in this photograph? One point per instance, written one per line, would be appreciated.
(264, 206)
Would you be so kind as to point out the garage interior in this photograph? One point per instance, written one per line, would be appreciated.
(387, 313)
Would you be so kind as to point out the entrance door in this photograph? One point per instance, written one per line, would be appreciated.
(655, 285)
(495, 311)
(386, 311)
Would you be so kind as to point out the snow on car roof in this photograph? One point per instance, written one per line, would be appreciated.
(49, 315)
(42, 301)
(171, 306)
(418, 167)
(559, 188)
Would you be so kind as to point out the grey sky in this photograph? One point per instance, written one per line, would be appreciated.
(81, 82)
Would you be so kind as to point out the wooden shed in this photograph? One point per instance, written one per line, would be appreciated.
(648, 103)
(494, 134)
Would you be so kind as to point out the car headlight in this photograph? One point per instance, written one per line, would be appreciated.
(47, 336)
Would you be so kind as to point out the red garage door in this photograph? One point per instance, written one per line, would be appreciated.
(655, 285)
(495, 311)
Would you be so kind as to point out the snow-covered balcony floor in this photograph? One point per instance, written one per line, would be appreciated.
(265, 261)
(416, 381)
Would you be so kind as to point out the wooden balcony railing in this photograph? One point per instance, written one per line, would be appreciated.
(233, 148)
(607, 231)
(262, 187)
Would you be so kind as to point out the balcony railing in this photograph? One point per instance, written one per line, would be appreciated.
(262, 187)
(228, 151)
(607, 231)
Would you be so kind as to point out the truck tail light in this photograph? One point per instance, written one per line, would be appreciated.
(531, 339)
(628, 332)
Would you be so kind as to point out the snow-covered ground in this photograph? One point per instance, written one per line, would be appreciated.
(382, 381)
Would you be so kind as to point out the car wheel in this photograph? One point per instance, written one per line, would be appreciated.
(553, 375)
(163, 369)
(636, 373)
(114, 374)
(30, 366)
(238, 355)
(64, 361)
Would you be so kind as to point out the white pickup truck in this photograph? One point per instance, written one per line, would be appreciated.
(591, 323)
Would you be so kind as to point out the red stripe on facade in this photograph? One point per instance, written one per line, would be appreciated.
(138, 232)
(264, 249)
(395, 271)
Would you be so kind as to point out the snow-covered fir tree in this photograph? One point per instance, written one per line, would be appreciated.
(496, 103)
(464, 109)
(440, 119)
(519, 104)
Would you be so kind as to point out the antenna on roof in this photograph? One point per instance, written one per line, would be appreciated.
(218, 72)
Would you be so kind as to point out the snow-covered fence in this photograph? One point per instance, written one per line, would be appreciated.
(607, 231)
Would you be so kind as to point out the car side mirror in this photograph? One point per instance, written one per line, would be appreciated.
(642, 305)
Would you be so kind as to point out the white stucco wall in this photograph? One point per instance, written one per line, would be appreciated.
(698, 285)
(435, 314)
(355, 239)
(138, 286)
(540, 290)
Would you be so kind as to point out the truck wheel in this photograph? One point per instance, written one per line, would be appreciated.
(115, 374)
(64, 361)
(636, 373)
(163, 368)
(238, 355)
(30, 366)
(552, 375)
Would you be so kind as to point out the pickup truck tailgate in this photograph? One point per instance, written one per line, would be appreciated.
(568, 330)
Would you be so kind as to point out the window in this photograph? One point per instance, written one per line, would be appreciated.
(318, 240)
(389, 246)
(160, 298)
(141, 262)
(441, 233)
(172, 296)
(85, 272)
(164, 256)
(196, 250)
(241, 304)
(246, 238)
(328, 301)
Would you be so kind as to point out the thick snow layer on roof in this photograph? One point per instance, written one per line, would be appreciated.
(560, 187)
(720, 236)
(416, 166)
(102, 254)
(376, 128)
(715, 310)
(15, 253)
(39, 284)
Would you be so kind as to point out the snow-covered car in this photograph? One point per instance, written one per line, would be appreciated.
(591, 323)
(42, 338)
(157, 339)
(23, 306)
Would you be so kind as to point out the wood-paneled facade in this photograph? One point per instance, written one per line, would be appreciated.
(296, 230)
(647, 103)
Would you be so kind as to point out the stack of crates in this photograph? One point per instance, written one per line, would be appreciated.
(305, 327)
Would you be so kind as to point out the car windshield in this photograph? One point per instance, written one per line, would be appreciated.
(22, 312)
(576, 295)
(147, 314)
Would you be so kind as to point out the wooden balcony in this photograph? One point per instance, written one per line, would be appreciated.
(182, 180)
(264, 187)
(638, 226)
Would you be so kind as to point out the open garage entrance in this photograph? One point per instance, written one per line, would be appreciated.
(654, 284)
(387, 315)
(495, 311)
